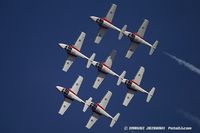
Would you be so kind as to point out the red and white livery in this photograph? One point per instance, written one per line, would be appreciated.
(134, 86)
(73, 51)
(103, 68)
(98, 109)
(70, 95)
(105, 23)
(137, 39)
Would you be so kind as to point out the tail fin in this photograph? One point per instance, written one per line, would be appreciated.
(122, 32)
(114, 120)
(87, 104)
(153, 47)
(121, 77)
(90, 60)
(150, 94)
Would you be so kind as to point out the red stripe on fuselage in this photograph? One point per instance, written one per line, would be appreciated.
(100, 106)
(136, 34)
(74, 48)
(134, 82)
(72, 91)
(105, 65)
(107, 20)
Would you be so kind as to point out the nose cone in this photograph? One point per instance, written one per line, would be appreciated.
(62, 45)
(59, 88)
(93, 18)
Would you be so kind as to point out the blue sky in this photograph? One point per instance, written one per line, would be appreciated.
(31, 63)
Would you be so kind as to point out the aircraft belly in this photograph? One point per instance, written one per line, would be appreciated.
(101, 111)
(103, 71)
(72, 96)
(69, 97)
(98, 112)
(72, 54)
(135, 87)
(81, 55)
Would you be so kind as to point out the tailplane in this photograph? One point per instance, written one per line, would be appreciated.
(153, 47)
(122, 32)
(87, 104)
(114, 120)
(150, 94)
(121, 77)
(90, 60)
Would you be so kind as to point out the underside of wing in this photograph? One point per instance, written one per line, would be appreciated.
(100, 35)
(111, 12)
(143, 28)
(77, 84)
(139, 75)
(80, 41)
(105, 100)
(129, 96)
(92, 120)
(110, 58)
(68, 63)
(131, 49)
(66, 103)
(99, 79)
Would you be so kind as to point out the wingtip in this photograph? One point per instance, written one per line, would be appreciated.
(114, 5)
(79, 76)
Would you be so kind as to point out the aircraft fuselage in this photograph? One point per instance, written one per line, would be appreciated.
(133, 86)
(104, 68)
(134, 37)
(68, 93)
(99, 110)
(74, 51)
(103, 22)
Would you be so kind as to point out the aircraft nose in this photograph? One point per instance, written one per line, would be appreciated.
(93, 18)
(62, 45)
(59, 88)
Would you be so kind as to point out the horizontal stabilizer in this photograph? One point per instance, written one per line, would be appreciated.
(90, 60)
(87, 104)
(114, 120)
(122, 32)
(121, 77)
(150, 94)
(153, 47)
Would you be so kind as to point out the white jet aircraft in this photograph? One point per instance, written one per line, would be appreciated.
(103, 68)
(137, 39)
(70, 95)
(105, 23)
(99, 109)
(134, 86)
(73, 51)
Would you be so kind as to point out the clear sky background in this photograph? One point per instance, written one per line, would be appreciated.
(31, 63)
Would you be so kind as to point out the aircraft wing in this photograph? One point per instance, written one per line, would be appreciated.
(67, 102)
(99, 79)
(80, 41)
(111, 12)
(143, 28)
(110, 58)
(92, 120)
(129, 96)
(100, 35)
(139, 75)
(105, 100)
(68, 62)
(77, 84)
(131, 49)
